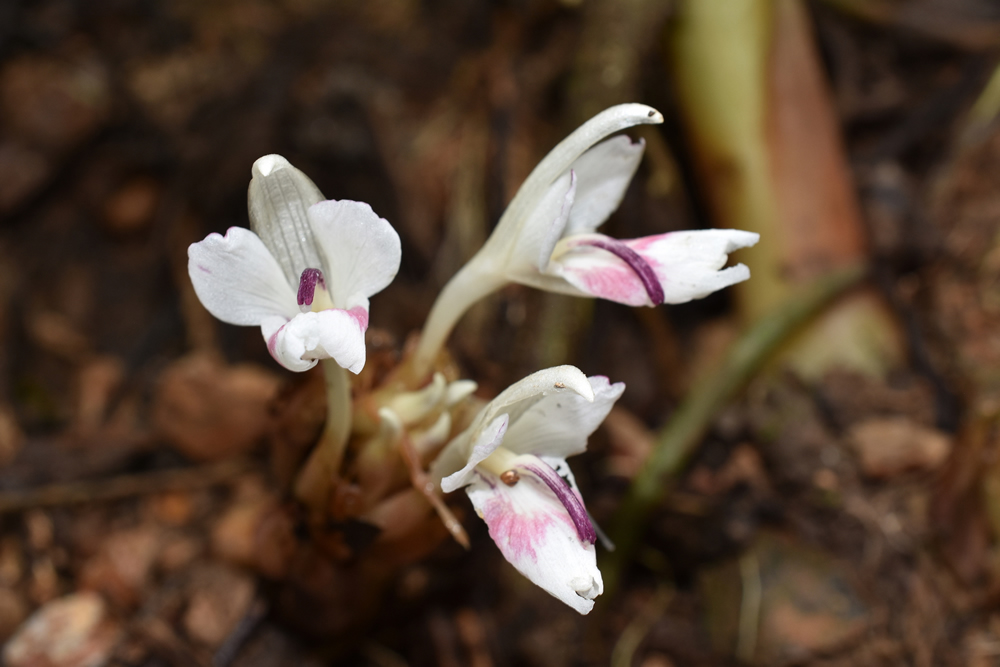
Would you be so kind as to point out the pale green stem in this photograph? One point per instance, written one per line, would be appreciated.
(323, 466)
(338, 413)
(466, 287)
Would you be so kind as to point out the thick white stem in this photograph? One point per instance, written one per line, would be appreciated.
(338, 414)
(466, 287)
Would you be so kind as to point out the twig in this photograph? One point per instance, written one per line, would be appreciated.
(122, 486)
(678, 440)
(422, 483)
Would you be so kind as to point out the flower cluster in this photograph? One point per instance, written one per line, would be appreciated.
(304, 273)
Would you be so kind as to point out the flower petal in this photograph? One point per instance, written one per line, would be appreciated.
(238, 280)
(559, 424)
(536, 535)
(604, 173)
(329, 334)
(543, 228)
(277, 199)
(558, 162)
(510, 404)
(362, 250)
(686, 264)
(486, 443)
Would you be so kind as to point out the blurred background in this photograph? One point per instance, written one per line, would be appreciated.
(835, 499)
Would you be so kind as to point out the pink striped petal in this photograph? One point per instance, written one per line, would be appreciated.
(536, 534)
(667, 268)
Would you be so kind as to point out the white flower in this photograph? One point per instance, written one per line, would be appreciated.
(305, 272)
(512, 461)
(546, 238)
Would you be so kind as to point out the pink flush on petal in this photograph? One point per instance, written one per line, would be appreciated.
(569, 499)
(360, 316)
(307, 288)
(643, 271)
(516, 533)
(272, 344)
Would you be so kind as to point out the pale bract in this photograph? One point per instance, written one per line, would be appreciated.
(512, 462)
(303, 274)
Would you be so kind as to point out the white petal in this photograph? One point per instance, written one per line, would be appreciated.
(518, 397)
(513, 401)
(238, 280)
(688, 262)
(604, 173)
(686, 265)
(543, 228)
(558, 162)
(485, 444)
(329, 334)
(536, 535)
(559, 424)
(362, 250)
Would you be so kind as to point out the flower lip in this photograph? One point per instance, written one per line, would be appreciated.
(574, 506)
(307, 288)
(634, 260)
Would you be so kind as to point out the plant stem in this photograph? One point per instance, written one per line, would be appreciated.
(323, 465)
(680, 437)
(465, 288)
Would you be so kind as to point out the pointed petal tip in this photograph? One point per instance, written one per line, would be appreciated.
(265, 165)
(571, 377)
(741, 239)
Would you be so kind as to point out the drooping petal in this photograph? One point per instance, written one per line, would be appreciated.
(328, 334)
(686, 265)
(536, 535)
(238, 280)
(485, 444)
(277, 200)
(559, 424)
(604, 173)
(362, 250)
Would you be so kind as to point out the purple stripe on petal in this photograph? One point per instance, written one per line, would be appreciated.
(639, 266)
(574, 506)
(307, 288)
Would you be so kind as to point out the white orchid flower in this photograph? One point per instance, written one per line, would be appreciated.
(305, 272)
(547, 236)
(512, 462)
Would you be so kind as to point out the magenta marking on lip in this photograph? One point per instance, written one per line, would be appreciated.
(574, 506)
(307, 288)
(272, 344)
(639, 266)
(360, 315)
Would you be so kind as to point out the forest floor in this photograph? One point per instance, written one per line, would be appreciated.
(145, 517)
